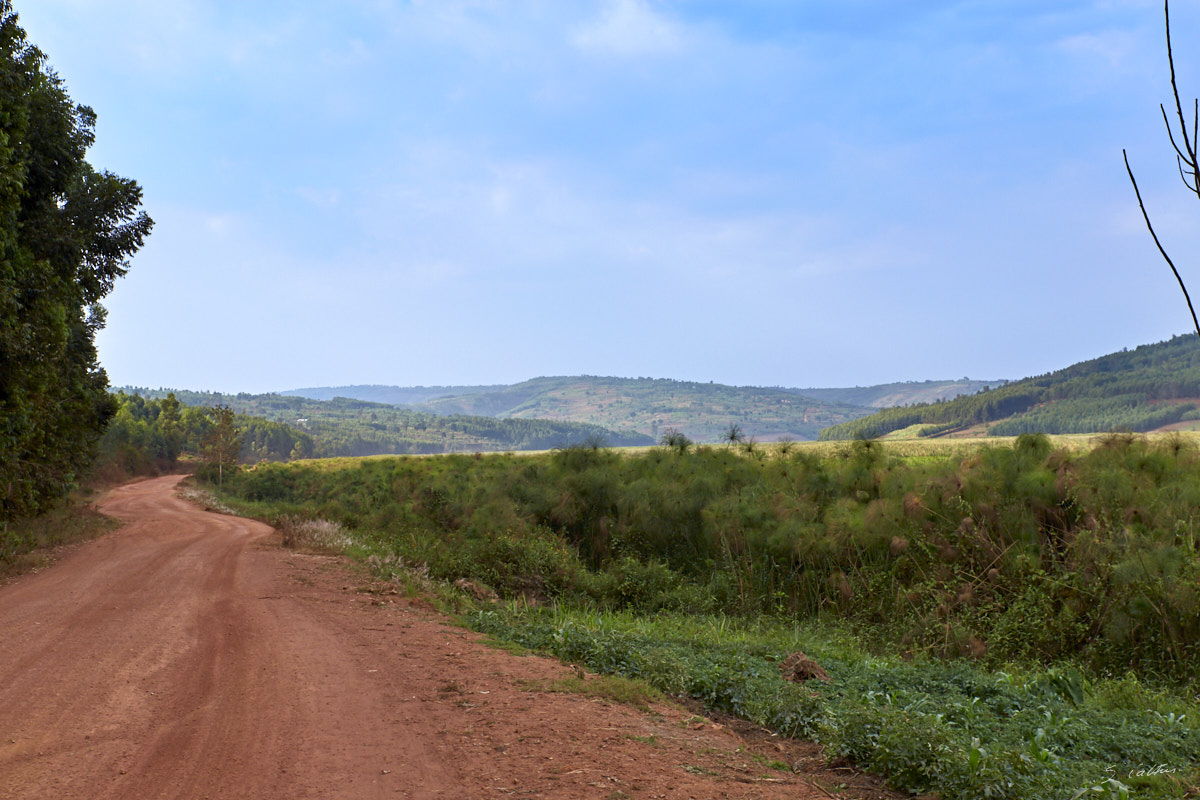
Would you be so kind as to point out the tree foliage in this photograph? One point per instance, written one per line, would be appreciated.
(149, 435)
(66, 234)
(222, 444)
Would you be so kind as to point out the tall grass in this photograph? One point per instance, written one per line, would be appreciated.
(1036, 590)
(1016, 551)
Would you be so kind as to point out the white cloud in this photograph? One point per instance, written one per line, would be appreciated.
(1113, 47)
(220, 225)
(630, 28)
(322, 198)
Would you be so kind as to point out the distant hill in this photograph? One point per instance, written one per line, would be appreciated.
(351, 427)
(389, 395)
(1151, 387)
(703, 411)
(886, 395)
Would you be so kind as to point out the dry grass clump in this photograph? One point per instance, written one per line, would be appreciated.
(312, 535)
(204, 499)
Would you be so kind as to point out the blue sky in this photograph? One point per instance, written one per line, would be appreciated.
(804, 193)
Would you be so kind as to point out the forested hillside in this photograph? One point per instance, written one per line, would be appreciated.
(650, 406)
(344, 427)
(703, 411)
(1136, 390)
(886, 395)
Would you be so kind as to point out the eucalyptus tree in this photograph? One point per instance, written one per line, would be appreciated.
(66, 234)
(222, 443)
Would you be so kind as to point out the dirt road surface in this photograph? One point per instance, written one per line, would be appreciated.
(188, 656)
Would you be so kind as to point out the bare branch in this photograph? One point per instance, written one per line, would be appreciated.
(1171, 134)
(1189, 142)
(1175, 88)
(1195, 187)
(1183, 175)
(1170, 263)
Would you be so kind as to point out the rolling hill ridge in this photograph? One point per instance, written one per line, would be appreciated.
(651, 406)
(1145, 389)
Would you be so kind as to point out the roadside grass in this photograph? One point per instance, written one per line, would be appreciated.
(954, 728)
(28, 545)
(203, 497)
(312, 535)
(618, 689)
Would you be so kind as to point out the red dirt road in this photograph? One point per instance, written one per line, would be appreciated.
(188, 656)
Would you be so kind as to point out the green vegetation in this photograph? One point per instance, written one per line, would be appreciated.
(66, 234)
(1140, 390)
(222, 444)
(1045, 598)
(703, 411)
(953, 728)
(28, 543)
(612, 687)
(344, 427)
(952, 555)
(146, 436)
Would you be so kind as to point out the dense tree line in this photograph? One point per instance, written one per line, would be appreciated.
(145, 435)
(66, 234)
(1134, 390)
(345, 427)
(1090, 415)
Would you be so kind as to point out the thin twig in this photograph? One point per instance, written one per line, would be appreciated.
(1174, 85)
(1188, 158)
(1171, 134)
(1171, 263)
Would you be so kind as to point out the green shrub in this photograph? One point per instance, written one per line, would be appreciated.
(1007, 552)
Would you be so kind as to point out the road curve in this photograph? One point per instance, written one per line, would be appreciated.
(186, 655)
(160, 662)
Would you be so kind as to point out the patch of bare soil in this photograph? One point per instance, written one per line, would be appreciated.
(188, 656)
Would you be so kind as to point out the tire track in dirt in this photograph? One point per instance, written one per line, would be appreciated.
(187, 656)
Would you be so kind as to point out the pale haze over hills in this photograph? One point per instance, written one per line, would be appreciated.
(703, 411)
(821, 193)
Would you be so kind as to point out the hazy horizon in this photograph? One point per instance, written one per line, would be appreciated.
(828, 194)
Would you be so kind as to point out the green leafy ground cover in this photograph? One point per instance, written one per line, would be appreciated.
(949, 727)
(1031, 609)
